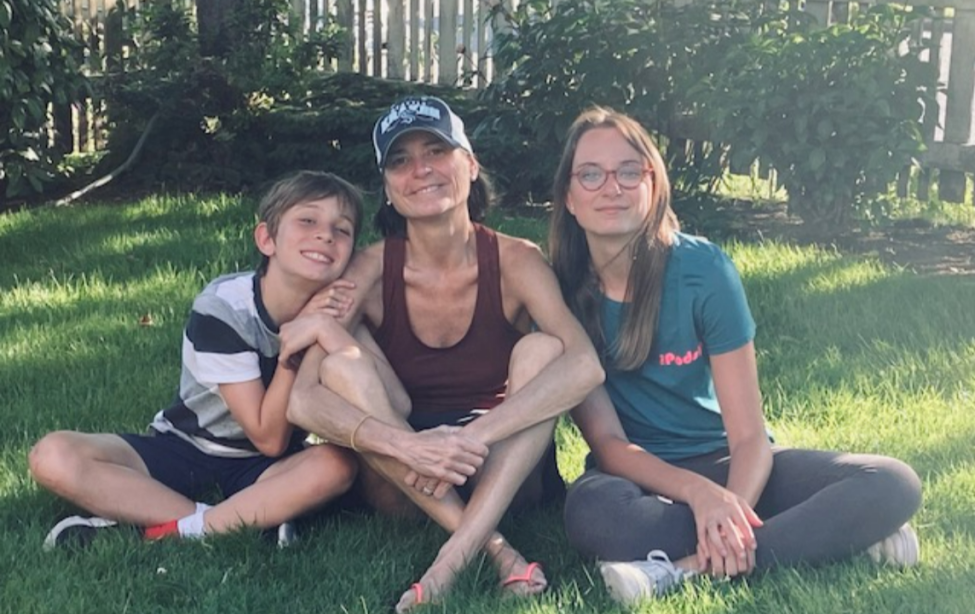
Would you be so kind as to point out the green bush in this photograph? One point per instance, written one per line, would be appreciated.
(836, 111)
(640, 56)
(210, 109)
(331, 127)
(38, 67)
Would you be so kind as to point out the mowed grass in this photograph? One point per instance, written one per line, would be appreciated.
(853, 356)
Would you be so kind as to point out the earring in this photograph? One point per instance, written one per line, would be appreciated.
(389, 203)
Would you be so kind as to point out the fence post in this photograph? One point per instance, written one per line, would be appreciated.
(482, 50)
(415, 40)
(377, 38)
(961, 91)
(931, 115)
(448, 42)
(820, 10)
(345, 16)
(428, 42)
(396, 40)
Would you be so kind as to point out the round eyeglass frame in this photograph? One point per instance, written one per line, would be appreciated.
(646, 170)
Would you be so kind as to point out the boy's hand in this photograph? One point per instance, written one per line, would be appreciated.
(334, 299)
(298, 335)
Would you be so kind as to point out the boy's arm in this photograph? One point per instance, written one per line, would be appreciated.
(262, 413)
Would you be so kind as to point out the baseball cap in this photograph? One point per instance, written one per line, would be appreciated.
(418, 113)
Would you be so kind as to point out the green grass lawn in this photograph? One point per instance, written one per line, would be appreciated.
(853, 356)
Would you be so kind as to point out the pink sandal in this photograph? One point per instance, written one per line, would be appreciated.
(418, 589)
(524, 577)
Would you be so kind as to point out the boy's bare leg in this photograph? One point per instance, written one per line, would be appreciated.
(101, 473)
(287, 489)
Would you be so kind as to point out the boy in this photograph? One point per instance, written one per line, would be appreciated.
(228, 427)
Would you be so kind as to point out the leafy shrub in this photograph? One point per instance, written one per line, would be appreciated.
(38, 67)
(836, 111)
(210, 108)
(331, 127)
(639, 56)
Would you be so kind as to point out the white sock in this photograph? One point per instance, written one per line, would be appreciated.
(193, 526)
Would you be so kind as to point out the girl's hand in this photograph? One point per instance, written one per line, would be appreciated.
(334, 299)
(726, 541)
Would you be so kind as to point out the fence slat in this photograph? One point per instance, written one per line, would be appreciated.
(961, 95)
(414, 40)
(931, 115)
(361, 55)
(820, 10)
(396, 40)
(428, 41)
(345, 17)
(448, 41)
(377, 38)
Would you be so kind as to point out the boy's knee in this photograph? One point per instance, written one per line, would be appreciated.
(52, 459)
(338, 468)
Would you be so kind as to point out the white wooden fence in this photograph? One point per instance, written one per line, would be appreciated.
(449, 41)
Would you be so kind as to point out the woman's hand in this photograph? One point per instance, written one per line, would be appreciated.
(725, 537)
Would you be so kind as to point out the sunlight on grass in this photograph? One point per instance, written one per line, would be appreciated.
(762, 191)
(852, 356)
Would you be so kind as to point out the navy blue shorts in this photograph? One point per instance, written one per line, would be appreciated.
(182, 467)
(424, 421)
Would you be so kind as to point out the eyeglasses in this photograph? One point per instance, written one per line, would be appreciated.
(629, 175)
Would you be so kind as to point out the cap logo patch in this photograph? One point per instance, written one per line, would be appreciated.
(408, 112)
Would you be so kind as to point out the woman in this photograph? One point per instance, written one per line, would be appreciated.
(449, 303)
(681, 455)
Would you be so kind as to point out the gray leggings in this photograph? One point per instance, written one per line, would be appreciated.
(817, 507)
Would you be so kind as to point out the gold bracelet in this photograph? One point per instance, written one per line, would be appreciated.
(356, 430)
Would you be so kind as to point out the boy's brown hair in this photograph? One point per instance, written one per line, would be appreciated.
(304, 186)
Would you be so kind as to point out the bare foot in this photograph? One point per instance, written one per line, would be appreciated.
(434, 583)
(518, 576)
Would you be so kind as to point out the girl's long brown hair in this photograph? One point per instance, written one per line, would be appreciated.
(649, 252)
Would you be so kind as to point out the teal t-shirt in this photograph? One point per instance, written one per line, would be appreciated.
(668, 406)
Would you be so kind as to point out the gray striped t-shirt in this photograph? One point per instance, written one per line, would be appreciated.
(230, 338)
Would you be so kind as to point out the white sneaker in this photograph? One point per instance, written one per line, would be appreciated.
(633, 581)
(77, 529)
(287, 535)
(900, 548)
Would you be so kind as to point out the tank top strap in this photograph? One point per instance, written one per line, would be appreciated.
(394, 286)
(489, 274)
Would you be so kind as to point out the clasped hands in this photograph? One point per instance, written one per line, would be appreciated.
(440, 458)
(725, 537)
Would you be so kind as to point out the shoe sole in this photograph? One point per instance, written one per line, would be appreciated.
(95, 522)
(901, 549)
(625, 585)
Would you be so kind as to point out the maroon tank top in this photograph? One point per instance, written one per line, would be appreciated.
(471, 374)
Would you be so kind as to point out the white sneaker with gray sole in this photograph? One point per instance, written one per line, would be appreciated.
(630, 582)
(287, 535)
(77, 530)
(900, 548)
